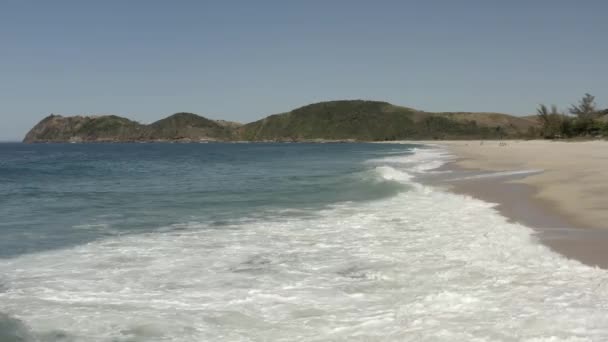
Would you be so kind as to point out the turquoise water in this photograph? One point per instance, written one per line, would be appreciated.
(59, 195)
(271, 242)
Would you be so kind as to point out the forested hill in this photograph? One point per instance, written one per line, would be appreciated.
(378, 121)
(334, 120)
(111, 128)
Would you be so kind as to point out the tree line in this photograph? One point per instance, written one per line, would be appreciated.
(582, 120)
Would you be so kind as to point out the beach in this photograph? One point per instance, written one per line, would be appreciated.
(557, 187)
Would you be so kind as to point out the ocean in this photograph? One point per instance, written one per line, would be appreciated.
(271, 242)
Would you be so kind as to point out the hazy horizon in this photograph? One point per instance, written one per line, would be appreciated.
(241, 61)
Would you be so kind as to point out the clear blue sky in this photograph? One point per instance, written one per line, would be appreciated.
(242, 60)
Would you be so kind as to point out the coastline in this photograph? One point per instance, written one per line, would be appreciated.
(553, 187)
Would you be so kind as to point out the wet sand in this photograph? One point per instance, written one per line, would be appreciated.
(565, 200)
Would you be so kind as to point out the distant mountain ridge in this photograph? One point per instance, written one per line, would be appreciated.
(356, 120)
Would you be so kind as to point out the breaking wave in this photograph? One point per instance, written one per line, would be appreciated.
(419, 265)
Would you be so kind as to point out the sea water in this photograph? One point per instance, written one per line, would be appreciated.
(271, 242)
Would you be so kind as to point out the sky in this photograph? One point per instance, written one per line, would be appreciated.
(243, 60)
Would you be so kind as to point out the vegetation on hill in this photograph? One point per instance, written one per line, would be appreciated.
(511, 125)
(334, 120)
(182, 126)
(583, 120)
(378, 121)
(337, 120)
(111, 128)
(56, 128)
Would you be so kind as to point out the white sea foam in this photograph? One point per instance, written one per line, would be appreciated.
(390, 173)
(422, 160)
(425, 265)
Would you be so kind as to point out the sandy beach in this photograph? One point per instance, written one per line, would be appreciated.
(564, 196)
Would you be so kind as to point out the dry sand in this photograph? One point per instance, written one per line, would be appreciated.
(571, 191)
(574, 177)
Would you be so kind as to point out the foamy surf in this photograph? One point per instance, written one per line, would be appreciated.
(422, 265)
(421, 160)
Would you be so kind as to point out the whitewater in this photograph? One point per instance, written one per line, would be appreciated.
(423, 264)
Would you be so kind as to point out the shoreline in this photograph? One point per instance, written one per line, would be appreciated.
(536, 198)
(516, 201)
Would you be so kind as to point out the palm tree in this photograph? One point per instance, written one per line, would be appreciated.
(550, 120)
(586, 109)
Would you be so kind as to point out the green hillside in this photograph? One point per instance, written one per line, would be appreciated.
(56, 128)
(378, 121)
(187, 126)
(361, 120)
(111, 128)
(334, 120)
